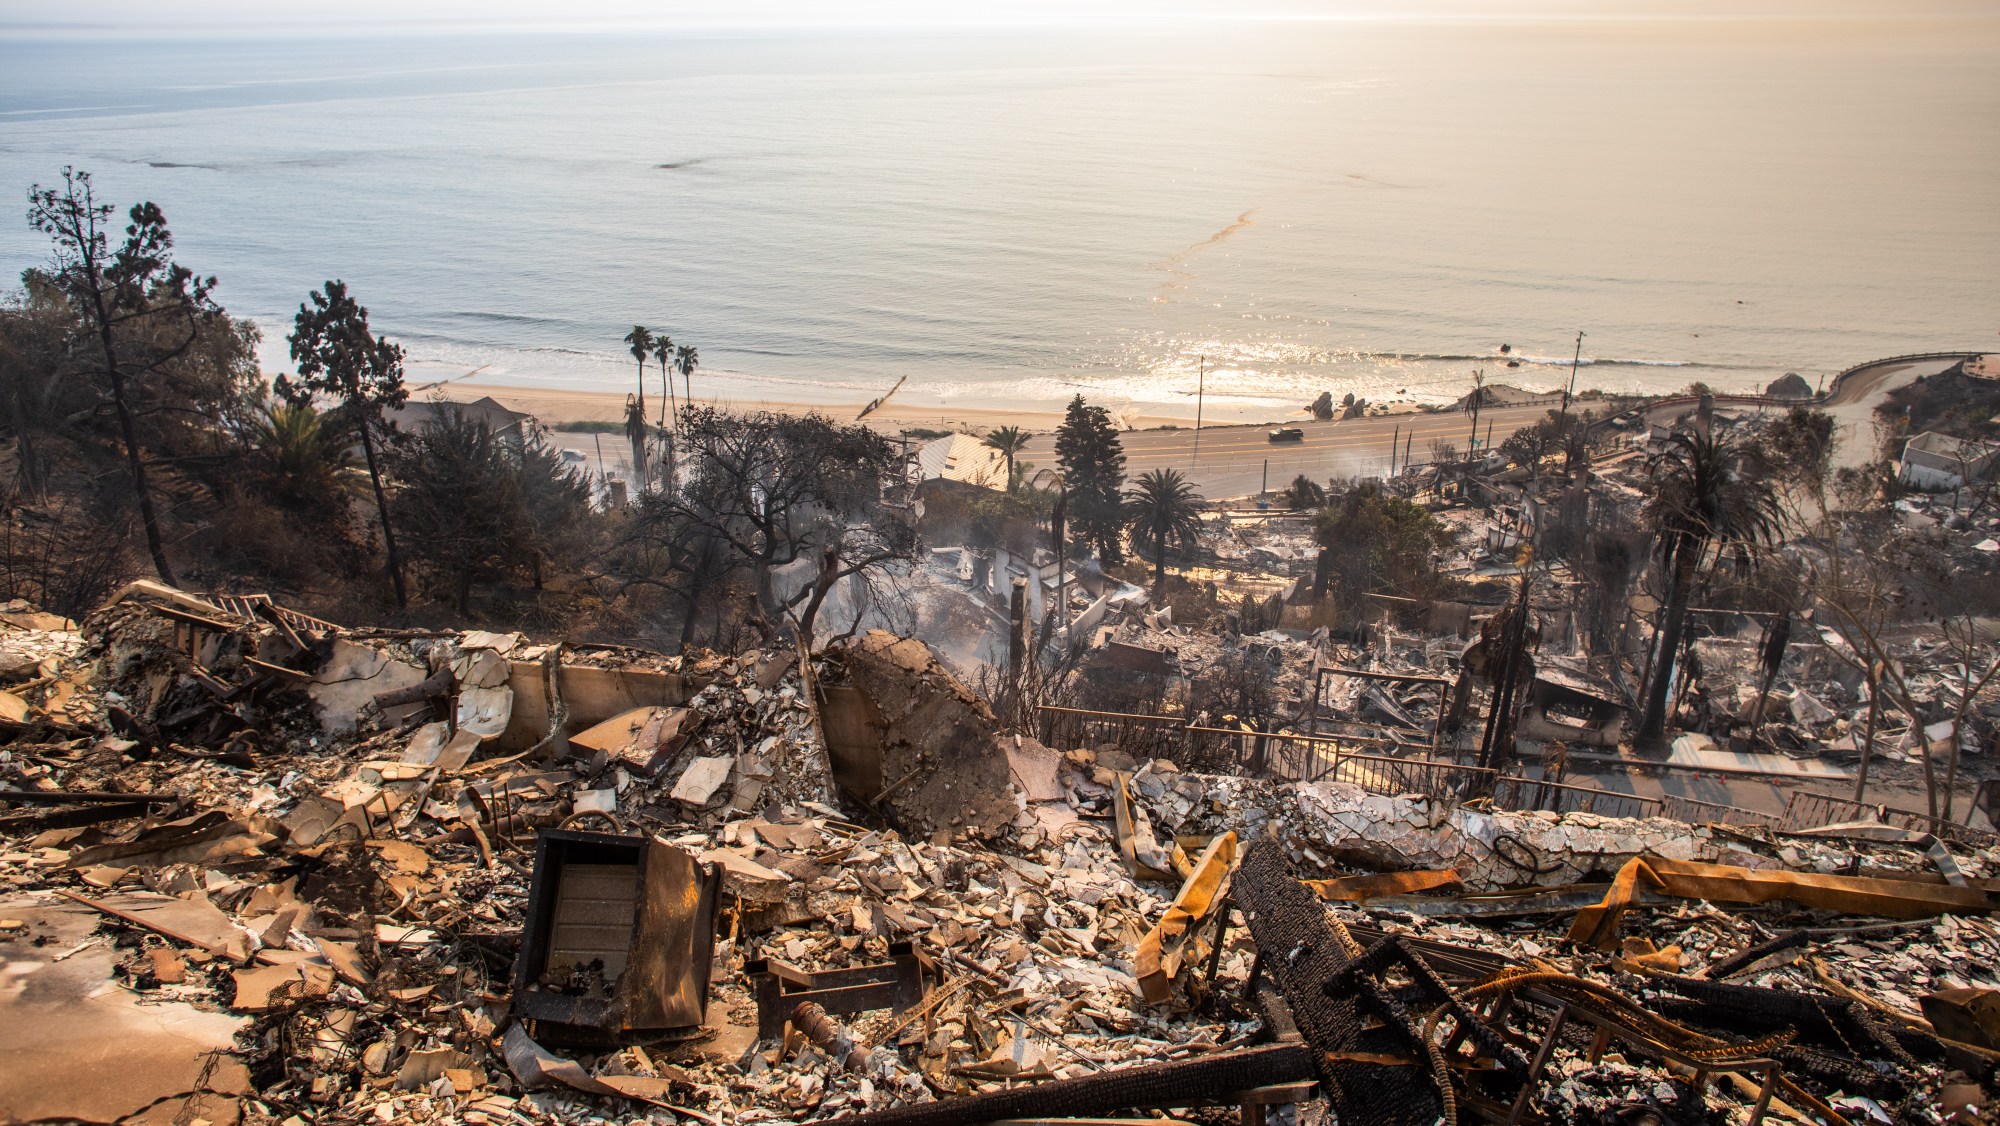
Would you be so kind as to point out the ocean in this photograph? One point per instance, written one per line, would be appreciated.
(1261, 211)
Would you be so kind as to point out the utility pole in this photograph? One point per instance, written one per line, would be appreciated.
(1057, 531)
(1200, 388)
(1395, 440)
(1478, 396)
(1407, 443)
(603, 474)
(1574, 361)
(1265, 490)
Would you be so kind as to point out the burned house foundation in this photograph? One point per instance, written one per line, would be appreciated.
(467, 877)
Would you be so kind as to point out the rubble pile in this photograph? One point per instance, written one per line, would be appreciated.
(282, 872)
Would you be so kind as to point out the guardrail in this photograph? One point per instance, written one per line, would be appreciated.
(1833, 386)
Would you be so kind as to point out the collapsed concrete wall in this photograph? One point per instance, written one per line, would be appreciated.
(1336, 823)
(909, 738)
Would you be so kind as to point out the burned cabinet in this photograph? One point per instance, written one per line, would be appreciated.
(619, 936)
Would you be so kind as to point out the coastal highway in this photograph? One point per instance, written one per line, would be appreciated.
(1231, 459)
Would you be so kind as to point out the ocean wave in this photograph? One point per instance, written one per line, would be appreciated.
(1520, 357)
(500, 318)
(1596, 361)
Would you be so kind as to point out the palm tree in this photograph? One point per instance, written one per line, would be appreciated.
(663, 351)
(1163, 507)
(642, 350)
(1009, 440)
(1707, 492)
(685, 359)
(293, 445)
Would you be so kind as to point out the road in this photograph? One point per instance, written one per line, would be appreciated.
(1853, 404)
(1231, 460)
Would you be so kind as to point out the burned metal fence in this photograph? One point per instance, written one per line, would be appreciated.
(1440, 781)
(1813, 811)
(1297, 758)
(1147, 736)
(1695, 811)
(1513, 792)
(1364, 763)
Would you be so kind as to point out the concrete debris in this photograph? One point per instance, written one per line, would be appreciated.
(544, 884)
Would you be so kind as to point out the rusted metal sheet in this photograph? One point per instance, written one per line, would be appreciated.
(592, 695)
(619, 937)
(781, 987)
(1201, 898)
(1971, 1016)
(1141, 659)
(854, 729)
(1375, 885)
(1724, 883)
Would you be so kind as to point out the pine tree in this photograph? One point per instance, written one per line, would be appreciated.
(341, 361)
(1093, 464)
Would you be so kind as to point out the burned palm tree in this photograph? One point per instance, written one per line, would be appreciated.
(641, 340)
(1710, 495)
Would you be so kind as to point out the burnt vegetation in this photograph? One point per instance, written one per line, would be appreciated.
(141, 437)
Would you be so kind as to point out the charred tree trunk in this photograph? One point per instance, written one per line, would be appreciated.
(141, 488)
(1653, 724)
(829, 573)
(1868, 733)
(382, 510)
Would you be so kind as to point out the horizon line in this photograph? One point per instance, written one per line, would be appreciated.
(987, 22)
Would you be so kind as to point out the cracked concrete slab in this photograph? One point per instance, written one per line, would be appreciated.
(80, 1046)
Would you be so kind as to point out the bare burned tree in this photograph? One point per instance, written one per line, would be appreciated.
(760, 492)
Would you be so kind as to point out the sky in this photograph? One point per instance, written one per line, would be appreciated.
(210, 16)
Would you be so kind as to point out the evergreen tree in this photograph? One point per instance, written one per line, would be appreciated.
(461, 503)
(1093, 464)
(555, 502)
(137, 313)
(340, 359)
(1372, 541)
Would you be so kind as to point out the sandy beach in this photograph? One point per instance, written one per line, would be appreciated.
(555, 406)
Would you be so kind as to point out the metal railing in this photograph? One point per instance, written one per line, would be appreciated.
(1833, 385)
(1360, 762)
(1341, 758)
(1695, 811)
(245, 605)
(1145, 736)
(1812, 811)
(1514, 792)
(1321, 758)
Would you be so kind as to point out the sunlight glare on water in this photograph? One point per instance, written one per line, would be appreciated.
(1012, 218)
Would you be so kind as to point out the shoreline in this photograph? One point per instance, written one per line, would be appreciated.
(556, 406)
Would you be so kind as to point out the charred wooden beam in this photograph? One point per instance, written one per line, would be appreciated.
(1179, 1083)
